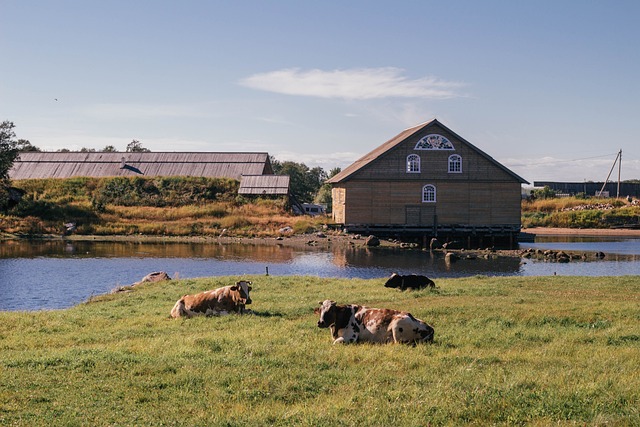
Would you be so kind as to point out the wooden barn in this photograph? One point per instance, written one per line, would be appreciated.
(32, 165)
(429, 182)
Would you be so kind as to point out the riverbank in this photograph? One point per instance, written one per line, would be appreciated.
(320, 239)
(584, 232)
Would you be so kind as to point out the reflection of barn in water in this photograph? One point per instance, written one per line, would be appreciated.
(404, 261)
(429, 182)
(93, 249)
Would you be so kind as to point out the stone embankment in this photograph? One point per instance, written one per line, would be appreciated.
(559, 256)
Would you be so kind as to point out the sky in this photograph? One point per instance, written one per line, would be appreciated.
(550, 89)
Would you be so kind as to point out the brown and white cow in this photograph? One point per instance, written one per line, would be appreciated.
(217, 302)
(356, 323)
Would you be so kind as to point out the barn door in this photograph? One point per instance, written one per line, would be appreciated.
(412, 215)
(428, 215)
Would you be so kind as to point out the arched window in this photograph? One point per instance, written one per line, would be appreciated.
(413, 163)
(455, 164)
(429, 193)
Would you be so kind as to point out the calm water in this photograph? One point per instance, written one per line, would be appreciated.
(53, 275)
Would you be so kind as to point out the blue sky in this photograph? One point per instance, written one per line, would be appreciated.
(548, 88)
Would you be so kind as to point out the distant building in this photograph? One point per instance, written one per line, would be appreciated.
(592, 188)
(428, 181)
(264, 185)
(32, 165)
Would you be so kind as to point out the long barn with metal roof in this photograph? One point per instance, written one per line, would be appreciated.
(37, 165)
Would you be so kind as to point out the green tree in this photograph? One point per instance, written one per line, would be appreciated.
(109, 149)
(544, 193)
(25, 146)
(9, 150)
(304, 182)
(323, 197)
(135, 146)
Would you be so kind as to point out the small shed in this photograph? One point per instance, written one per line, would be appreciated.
(272, 185)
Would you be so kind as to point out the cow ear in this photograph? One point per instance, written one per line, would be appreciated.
(316, 310)
(234, 288)
(320, 302)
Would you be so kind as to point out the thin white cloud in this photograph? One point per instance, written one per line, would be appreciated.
(360, 83)
(143, 111)
(326, 161)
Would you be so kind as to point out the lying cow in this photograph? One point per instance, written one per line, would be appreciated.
(221, 301)
(356, 323)
(410, 281)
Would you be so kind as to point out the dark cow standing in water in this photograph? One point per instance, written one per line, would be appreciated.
(410, 281)
(221, 301)
(356, 323)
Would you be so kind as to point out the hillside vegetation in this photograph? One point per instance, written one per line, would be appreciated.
(161, 206)
(507, 351)
(194, 206)
(574, 212)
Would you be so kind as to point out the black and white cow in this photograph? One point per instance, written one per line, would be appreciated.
(409, 281)
(356, 323)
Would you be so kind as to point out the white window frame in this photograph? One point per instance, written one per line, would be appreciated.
(428, 193)
(413, 163)
(455, 163)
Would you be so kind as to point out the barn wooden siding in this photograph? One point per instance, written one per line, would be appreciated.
(67, 165)
(277, 185)
(376, 192)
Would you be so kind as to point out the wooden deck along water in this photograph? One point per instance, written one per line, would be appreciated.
(68, 165)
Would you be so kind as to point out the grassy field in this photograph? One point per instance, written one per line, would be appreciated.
(507, 351)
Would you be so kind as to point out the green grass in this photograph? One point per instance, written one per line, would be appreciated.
(507, 351)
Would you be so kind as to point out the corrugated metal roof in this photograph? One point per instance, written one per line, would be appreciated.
(67, 165)
(264, 184)
(400, 138)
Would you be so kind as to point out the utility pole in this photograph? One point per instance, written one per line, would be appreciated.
(619, 167)
(618, 158)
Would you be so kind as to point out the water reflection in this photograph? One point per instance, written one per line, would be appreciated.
(55, 274)
(422, 262)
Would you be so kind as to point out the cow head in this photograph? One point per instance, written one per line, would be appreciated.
(327, 311)
(395, 281)
(243, 287)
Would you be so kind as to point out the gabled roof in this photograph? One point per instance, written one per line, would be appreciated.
(264, 184)
(208, 164)
(356, 166)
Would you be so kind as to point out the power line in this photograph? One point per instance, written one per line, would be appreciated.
(564, 161)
